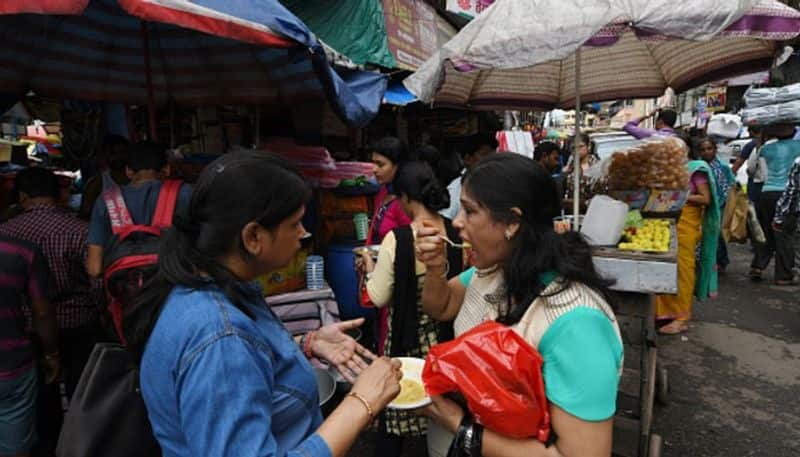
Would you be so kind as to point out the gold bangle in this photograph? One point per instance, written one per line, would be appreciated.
(365, 402)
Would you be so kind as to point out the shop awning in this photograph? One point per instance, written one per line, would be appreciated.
(397, 94)
(354, 28)
(199, 52)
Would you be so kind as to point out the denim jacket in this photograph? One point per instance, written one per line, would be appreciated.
(218, 383)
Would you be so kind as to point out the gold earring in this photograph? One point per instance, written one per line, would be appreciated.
(508, 235)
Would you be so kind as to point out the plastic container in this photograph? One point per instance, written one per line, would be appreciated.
(604, 221)
(361, 223)
(343, 279)
(315, 272)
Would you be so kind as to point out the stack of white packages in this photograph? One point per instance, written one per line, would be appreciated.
(772, 105)
(755, 98)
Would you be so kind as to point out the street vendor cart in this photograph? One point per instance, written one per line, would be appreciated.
(639, 276)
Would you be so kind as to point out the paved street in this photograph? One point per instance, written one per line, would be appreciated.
(735, 376)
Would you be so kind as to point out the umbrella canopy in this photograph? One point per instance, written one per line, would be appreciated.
(199, 52)
(508, 58)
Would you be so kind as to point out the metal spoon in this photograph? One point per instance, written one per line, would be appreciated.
(454, 244)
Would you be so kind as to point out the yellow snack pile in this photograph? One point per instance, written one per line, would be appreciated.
(653, 236)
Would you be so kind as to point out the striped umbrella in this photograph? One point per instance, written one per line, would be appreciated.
(198, 52)
(512, 58)
(520, 54)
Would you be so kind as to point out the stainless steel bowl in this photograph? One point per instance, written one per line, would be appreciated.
(372, 249)
(326, 386)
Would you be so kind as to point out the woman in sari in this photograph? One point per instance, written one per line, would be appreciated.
(395, 283)
(724, 179)
(541, 284)
(699, 224)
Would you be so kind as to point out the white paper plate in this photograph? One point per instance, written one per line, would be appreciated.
(412, 369)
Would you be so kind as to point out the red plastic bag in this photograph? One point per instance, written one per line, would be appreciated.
(499, 374)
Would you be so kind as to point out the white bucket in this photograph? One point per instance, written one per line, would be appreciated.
(604, 221)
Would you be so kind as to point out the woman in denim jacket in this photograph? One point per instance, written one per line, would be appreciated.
(220, 375)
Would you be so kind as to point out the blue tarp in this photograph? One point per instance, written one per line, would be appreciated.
(397, 94)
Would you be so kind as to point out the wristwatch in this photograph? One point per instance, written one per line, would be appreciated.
(468, 436)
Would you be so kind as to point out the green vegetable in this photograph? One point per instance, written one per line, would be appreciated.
(634, 219)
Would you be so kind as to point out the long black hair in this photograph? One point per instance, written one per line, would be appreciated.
(234, 190)
(418, 182)
(446, 165)
(393, 149)
(502, 182)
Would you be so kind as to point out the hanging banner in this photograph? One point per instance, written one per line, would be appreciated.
(414, 31)
(468, 8)
(716, 98)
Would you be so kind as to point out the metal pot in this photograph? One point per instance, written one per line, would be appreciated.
(326, 386)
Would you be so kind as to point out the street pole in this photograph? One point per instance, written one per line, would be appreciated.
(576, 154)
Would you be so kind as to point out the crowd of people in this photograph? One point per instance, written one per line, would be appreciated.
(465, 238)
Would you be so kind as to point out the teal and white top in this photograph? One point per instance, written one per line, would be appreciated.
(572, 327)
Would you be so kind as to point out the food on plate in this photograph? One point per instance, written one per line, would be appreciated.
(653, 236)
(411, 391)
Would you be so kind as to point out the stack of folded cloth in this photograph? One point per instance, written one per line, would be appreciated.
(772, 105)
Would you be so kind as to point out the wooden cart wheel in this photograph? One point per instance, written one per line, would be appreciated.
(655, 446)
(662, 385)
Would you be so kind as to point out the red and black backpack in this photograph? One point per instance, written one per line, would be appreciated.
(130, 258)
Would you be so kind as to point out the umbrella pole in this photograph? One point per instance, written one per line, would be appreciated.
(257, 129)
(576, 154)
(151, 102)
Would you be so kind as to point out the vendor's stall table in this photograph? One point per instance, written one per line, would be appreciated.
(639, 277)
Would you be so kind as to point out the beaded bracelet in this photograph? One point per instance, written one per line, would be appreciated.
(307, 339)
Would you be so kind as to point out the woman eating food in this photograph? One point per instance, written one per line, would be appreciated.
(543, 285)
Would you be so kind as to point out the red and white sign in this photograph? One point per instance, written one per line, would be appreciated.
(468, 8)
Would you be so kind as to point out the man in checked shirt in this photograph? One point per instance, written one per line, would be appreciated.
(61, 236)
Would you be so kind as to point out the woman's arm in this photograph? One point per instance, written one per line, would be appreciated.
(703, 195)
(441, 299)
(579, 439)
(380, 282)
(576, 437)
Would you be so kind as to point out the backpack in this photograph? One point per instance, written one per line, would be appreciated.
(107, 416)
(130, 258)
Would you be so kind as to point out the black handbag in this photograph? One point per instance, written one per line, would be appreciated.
(107, 415)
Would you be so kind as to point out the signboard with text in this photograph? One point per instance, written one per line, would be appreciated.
(412, 29)
(716, 98)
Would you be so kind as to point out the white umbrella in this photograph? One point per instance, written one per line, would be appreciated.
(548, 53)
